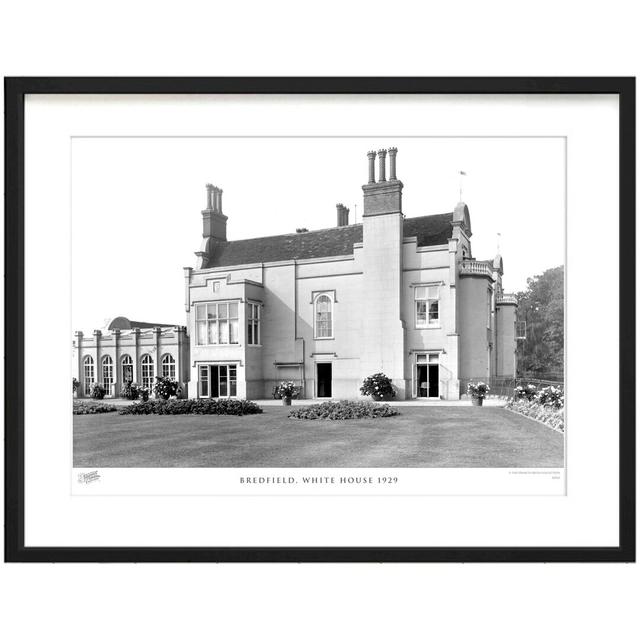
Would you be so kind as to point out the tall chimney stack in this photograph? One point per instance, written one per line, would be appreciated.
(343, 215)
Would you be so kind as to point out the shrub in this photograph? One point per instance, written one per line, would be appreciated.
(286, 389)
(201, 406)
(85, 407)
(76, 385)
(550, 416)
(343, 410)
(165, 387)
(130, 390)
(479, 390)
(98, 391)
(551, 397)
(377, 385)
(525, 392)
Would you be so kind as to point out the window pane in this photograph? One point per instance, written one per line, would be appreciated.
(233, 386)
(223, 331)
(433, 357)
(250, 333)
(433, 311)
(433, 292)
(233, 331)
(211, 311)
(421, 312)
(421, 357)
(222, 310)
(200, 311)
(213, 332)
(233, 309)
(223, 381)
(201, 332)
(421, 293)
(204, 381)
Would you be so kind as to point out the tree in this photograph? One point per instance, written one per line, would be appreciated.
(541, 306)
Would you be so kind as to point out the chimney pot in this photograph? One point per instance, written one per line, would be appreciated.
(392, 163)
(210, 189)
(382, 159)
(372, 169)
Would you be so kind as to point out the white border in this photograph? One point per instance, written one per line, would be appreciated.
(586, 516)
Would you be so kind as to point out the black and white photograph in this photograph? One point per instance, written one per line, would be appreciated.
(318, 302)
(306, 320)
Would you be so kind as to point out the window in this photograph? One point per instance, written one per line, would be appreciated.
(217, 381)
(147, 371)
(253, 323)
(127, 369)
(89, 374)
(168, 366)
(217, 323)
(107, 374)
(427, 306)
(323, 317)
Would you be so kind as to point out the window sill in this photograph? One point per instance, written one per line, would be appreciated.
(253, 346)
(429, 326)
(324, 338)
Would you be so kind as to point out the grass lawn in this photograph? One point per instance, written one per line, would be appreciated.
(418, 437)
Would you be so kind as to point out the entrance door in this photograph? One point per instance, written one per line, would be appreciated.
(323, 389)
(428, 376)
(218, 381)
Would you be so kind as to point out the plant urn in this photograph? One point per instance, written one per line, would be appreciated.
(286, 401)
(476, 402)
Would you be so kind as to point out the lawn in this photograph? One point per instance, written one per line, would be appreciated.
(418, 437)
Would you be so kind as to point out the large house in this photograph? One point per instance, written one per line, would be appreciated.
(326, 308)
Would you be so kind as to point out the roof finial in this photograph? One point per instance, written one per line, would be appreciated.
(462, 173)
(498, 236)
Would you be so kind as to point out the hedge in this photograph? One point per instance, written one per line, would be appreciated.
(202, 406)
(81, 408)
(343, 410)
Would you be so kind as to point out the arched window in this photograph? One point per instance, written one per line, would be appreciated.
(323, 316)
(127, 369)
(107, 374)
(89, 374)
(147, 371)
(168, 366)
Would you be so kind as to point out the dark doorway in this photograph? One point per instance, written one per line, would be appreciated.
(428, 380)
(434, 385)
(423, 381)
(324, 379)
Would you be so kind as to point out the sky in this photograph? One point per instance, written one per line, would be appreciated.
(136, 204)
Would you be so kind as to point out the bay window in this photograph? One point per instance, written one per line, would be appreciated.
(217, 323)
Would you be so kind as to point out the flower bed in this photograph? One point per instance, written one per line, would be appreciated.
(343, 410)
(81, 408)
(549, 415)
(202, 406)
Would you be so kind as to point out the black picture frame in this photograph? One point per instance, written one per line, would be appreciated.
(15, 91)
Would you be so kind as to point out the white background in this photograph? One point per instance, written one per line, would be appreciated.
(145, 196)
(490, 38)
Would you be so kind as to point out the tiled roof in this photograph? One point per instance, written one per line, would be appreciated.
(336, 241)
